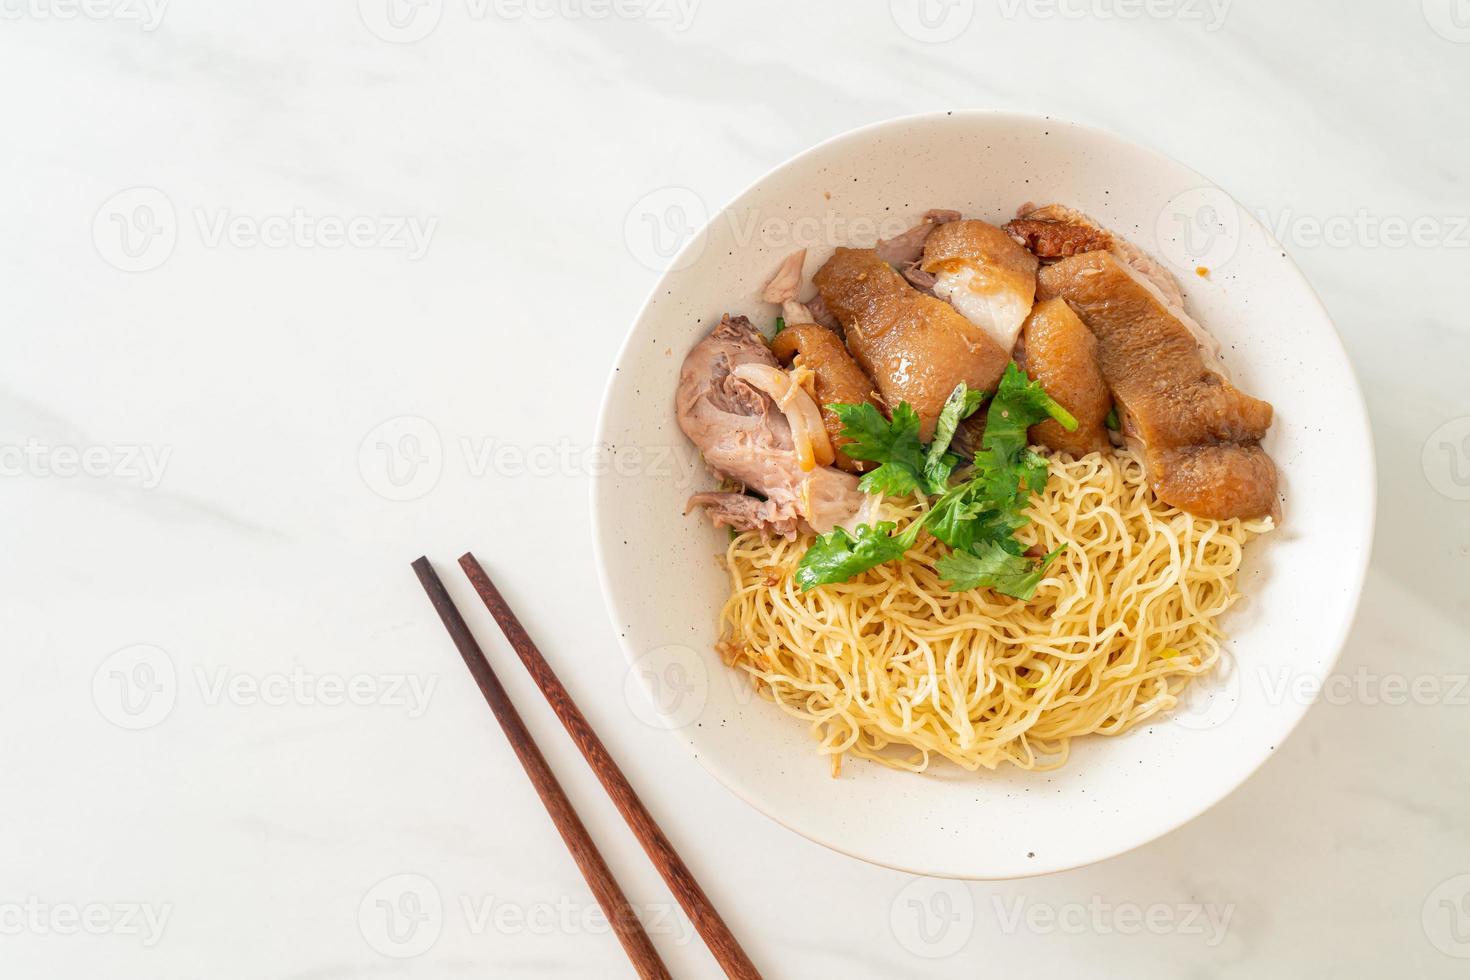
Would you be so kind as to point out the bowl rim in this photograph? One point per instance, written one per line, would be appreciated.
(1367, 475)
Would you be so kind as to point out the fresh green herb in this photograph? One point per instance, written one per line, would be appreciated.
(978, 518)
(893, 444)
(1112, 421)
(838, 556)
(969, 514)
(1019, 403)
(905, 465)
(991, 566)
(780, 325)
(939, 463)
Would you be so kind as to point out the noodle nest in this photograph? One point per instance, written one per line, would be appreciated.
(893, 667)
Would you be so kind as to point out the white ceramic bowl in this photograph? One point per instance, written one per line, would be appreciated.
(664, 584)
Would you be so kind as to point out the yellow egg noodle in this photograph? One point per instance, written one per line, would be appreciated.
(893, 667)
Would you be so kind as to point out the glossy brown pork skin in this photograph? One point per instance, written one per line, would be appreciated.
(836, 377)
(915, 348)
(1199, 434)
(1058, 350)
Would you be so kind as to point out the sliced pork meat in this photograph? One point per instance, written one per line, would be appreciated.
(1058, 350)
(1057, 231)
(746, 438)
(836, 377)
(981, 270)
(1199, 435)
(915, 348)
(907, 248)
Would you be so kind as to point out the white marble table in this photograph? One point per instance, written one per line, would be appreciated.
(296, 291)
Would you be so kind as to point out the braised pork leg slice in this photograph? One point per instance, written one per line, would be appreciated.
(984, 274)
(916, 348)
(1199, 435)
(1058, 351)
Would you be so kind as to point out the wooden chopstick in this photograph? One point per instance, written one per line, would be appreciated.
(676, 874)
(599, 877)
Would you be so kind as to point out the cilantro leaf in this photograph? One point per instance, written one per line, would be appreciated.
(1019, 403)
(894, 444)
(838, 556)
(952, 518)
(992, 566)
(939, 464)
(780, 325)
(977, 518)
(1112, 421)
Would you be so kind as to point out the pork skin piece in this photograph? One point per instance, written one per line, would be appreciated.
(1057, 231)
(916, 348)
(984, 274)
(1199, 435)
(1059, 352)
